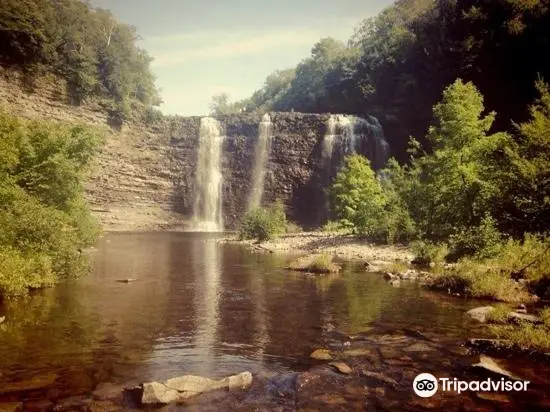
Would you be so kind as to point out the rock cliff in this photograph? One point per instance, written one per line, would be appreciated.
(144, 177)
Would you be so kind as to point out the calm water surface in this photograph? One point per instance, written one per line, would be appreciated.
(197, 307)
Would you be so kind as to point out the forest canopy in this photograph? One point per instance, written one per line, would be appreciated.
(397, 64)
(95, 53)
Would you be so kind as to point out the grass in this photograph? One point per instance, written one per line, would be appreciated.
(335, 227)
(499, 314)
(396, 267)
(323, 263)
(526, 336)
(480, 280)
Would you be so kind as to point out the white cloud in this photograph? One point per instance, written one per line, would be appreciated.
(232, 46)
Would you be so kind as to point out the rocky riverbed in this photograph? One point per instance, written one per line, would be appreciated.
(345, 247)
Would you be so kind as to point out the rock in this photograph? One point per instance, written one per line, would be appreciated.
(521, 308)
(380, 378)
(523, 317)
(480, 314)
(11, 407)
(73, 404)
(184, 387)
(488, 364)
(2, 319)
(419, 347)
(107, 391)
(410, 274)
(43, 405)
(341, 367)
(395, 283)
(493, 397)
(157, 393)
(36, 382)
(390, 276)
(321, 354)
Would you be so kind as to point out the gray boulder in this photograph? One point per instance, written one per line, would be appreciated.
(184, 387)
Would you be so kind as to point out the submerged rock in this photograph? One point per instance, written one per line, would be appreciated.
(11, 407)
(184, 387)
(36, 382)
(480, 314)
(321, 354)
(488, 364)
(341, 367)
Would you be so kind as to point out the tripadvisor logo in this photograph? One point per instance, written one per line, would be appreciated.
(426, 385)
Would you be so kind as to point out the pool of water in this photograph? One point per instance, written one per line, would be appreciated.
(200, 307)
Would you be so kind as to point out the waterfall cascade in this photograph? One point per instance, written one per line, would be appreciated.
(263, 146)
(207, 211)
(351, 134)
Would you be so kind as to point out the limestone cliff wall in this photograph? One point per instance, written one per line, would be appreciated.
(144, 177)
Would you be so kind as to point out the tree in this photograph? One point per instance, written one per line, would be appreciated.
(525, 201)
(220, 104)
(357, 198)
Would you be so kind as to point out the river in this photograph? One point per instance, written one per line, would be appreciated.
(202, 307)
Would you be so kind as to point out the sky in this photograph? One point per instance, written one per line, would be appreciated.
(202, 48)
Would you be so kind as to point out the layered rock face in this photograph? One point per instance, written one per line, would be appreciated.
(145, 176)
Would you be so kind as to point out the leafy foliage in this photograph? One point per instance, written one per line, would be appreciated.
(43, 216)
(396, 65)
(96, 54)
(361, 203)
(264, 223)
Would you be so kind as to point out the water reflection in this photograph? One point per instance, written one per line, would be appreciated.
(198, 307)
(207, 272)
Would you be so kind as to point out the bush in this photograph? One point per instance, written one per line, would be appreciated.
(334, 227)
(480, 280)
(292, 227)
(480, 242)
(322, 263)
(264, 223)
(44, 219)
(20, 272)
(526, 335)
(427, 252)
(499, 314)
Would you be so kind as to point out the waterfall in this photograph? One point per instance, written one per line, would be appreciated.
(352, 134)
(263, 146)
(207, 211)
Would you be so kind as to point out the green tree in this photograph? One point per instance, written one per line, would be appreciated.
(357, 197)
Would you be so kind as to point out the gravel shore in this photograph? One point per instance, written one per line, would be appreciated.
(345, 247)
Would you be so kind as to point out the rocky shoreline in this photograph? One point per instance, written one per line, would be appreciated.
(344, 247)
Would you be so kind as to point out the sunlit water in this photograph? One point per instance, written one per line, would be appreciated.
(200, 307)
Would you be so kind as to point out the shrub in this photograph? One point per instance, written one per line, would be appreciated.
(427, 252)
(44, 219)
(20, 272)
(499, 314)
(292, 227)
(481, 241)
(333, 226)
(264, 223)
(524, 336)
(480, 280)
(323, 264)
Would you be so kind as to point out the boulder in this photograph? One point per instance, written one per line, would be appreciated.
(488, 364)
(523, 317)
(480, 314)
(184, 387)
(341, 367)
